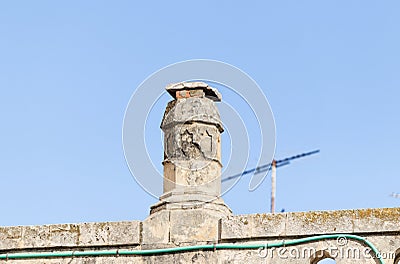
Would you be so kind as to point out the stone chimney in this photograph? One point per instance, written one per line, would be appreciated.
(192, 142)
(192, 163)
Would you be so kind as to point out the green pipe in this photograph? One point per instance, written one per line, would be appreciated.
(189, 248)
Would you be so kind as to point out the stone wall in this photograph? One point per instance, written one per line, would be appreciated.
(192, 224)
(379, 226)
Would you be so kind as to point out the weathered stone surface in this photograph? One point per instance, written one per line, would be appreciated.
(191, 142)
(196, 225)
(253, 226)
(172, 228)
(70, 235)
(319, 222)
(311, 223)
(205, 178)
(187, 200)
(80, 260)
(192, 167)
(63, 234)
(156, 228)
(36, 236)
(209, 92)
(10, 237)
(116, 233)
(195, 109)
(378, 219)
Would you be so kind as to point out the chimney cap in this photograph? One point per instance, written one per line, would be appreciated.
(209, 91)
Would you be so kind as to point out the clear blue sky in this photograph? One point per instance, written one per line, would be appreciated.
(330, 70)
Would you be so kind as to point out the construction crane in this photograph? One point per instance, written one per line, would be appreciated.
(272, 166)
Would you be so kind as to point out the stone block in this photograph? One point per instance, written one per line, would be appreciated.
(195, 225)
(319, 222)
(253, 226)
(106, 233)
(125, 233)
(189, 110)
(66, 235)
(156, 228)
(205, 177)
(377, 220)
(10, 237)
(35, 236)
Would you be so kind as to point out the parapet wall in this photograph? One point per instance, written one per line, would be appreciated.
(381, 227)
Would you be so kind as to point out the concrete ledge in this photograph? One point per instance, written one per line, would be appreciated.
(311, 223)
(70, 235)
